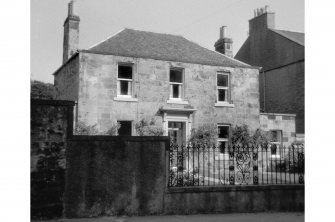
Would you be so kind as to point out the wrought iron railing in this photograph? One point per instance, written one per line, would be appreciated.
(236, 165)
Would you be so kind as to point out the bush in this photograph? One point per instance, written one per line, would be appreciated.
(241, 135)
(113, 130)
(147, 127)
(188, 178)
(206, 135)
(42, 90)
(292, 158)
(84, 129)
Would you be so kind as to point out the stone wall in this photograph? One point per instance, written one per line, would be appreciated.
(238, 199)
(98, 84)
(114, 175)
(283, 122)
(51, 124)
(128, 175)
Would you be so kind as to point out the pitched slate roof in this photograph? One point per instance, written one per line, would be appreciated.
(143, 44)
(297, 37)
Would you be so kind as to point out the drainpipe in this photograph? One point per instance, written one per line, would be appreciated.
(263, 89)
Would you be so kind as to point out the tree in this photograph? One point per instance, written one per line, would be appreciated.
(42, 90)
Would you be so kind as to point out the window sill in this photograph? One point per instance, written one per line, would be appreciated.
(125, 99)
(177, 101)
(224, 104)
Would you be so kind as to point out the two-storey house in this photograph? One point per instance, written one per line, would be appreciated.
(138, 74)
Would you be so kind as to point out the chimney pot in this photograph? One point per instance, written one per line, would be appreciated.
(72, 9)
(223, 32)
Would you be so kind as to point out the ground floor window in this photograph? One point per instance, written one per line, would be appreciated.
(223, 137)
(276, 140)
(125, 128)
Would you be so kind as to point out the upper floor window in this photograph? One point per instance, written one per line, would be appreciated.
(223, 91)
(176, 83)
(124, 80)
(223, 137)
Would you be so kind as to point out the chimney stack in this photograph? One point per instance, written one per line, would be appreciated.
(262, 20)
(224, 45)
(71, 32)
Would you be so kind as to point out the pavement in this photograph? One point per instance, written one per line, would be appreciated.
(241, 217)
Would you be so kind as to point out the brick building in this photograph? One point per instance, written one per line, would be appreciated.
(281, 54)
(137, 74)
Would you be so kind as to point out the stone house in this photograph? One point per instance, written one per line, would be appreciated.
(138, 74)
(281, 54)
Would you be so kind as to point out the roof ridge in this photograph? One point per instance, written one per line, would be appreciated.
(160, 33)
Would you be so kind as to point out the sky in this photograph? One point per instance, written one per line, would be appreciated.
(196, 20)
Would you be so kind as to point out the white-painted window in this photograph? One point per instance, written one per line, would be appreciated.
(222, 87)
(125, 80)
(176, 83)
(276, 140)
(223, 137)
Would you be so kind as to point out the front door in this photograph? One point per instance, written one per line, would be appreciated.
(177, 132)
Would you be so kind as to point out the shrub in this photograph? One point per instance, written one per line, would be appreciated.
(113, 130)
(292, 158)
(147, 127)
(84, 129)
(241, 135)
(42, 90)
(188, 178)
(205, 134)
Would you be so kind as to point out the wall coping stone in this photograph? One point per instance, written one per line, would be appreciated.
(52, 102)
(117, 138)
(234, 188)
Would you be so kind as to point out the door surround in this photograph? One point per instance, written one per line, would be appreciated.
(178, 115)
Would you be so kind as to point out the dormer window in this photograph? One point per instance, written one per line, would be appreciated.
(176, 83)
(124, 80)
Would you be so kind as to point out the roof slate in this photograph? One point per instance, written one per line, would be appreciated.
(297, 37)
(143, 44)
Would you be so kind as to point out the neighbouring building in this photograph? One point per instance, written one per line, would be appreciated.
(138, 74)
(281, 54)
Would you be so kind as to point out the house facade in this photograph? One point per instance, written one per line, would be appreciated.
(137, 75)
(281, 54)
